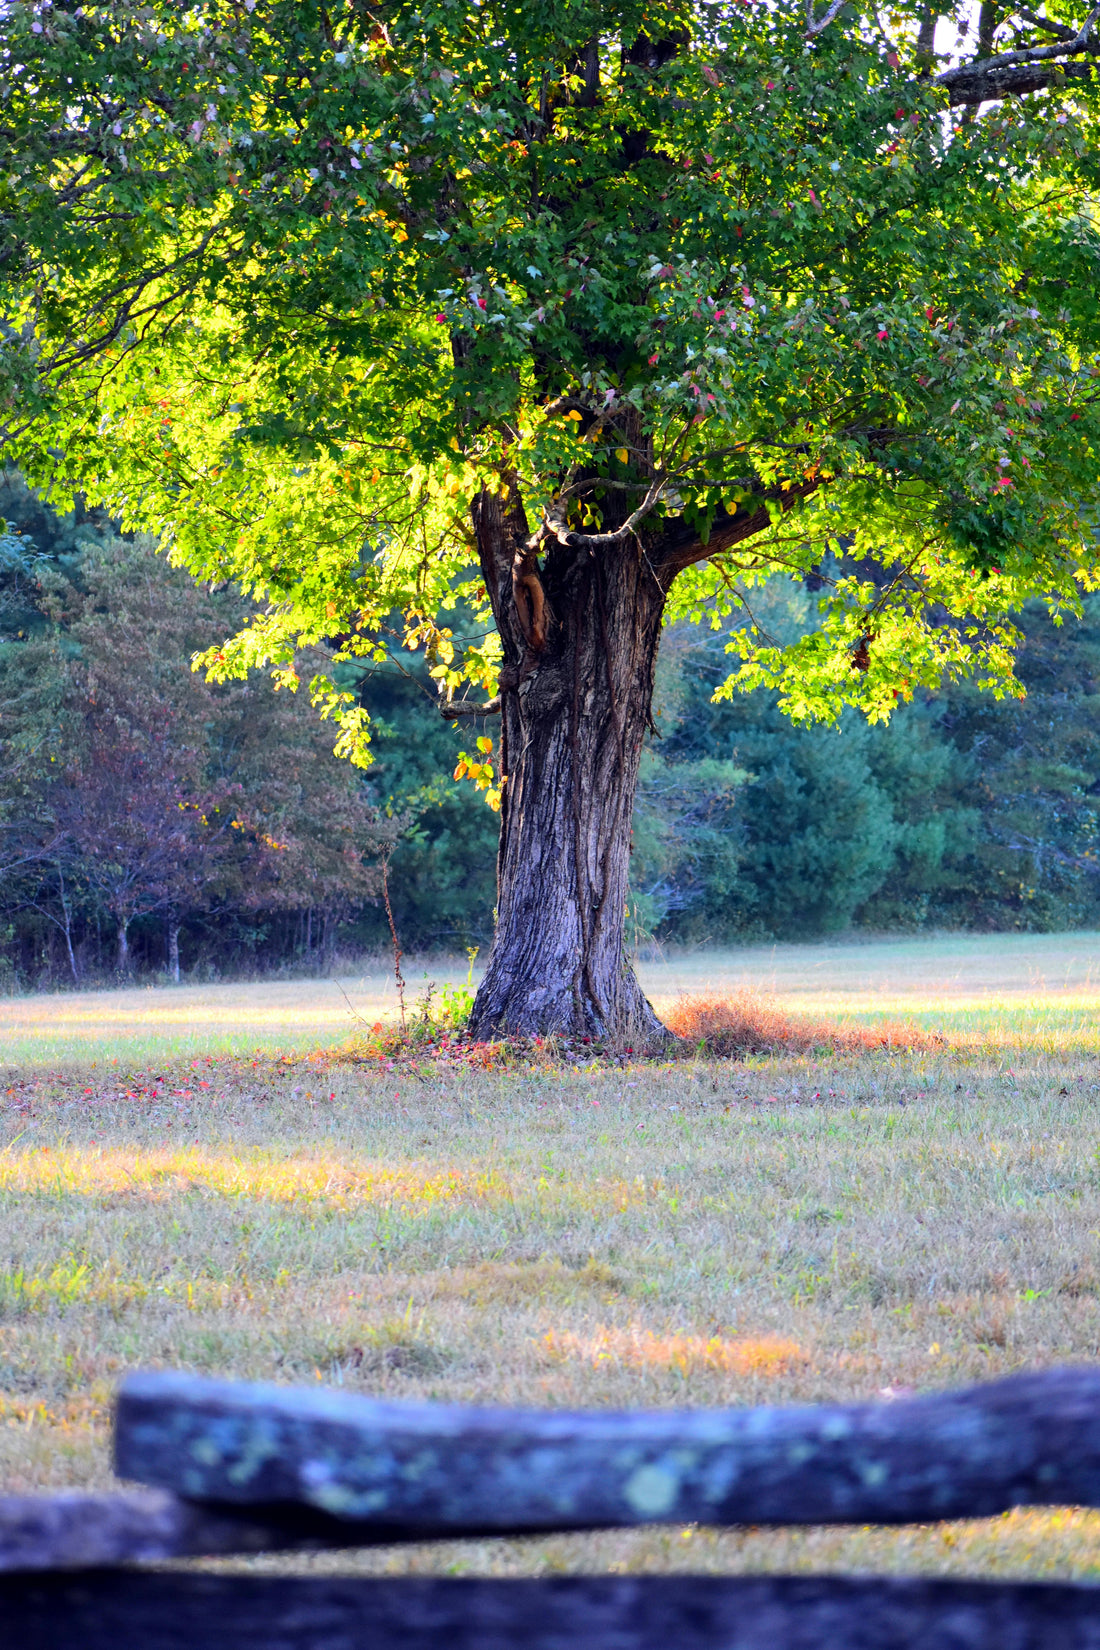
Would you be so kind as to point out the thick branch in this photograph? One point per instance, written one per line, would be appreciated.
(79, 1531)
(1060, 31)
(1013, 72)
(820, 24)
(1016, 80)
(682, 547)
(101, 1611)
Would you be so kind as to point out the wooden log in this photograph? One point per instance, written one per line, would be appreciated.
(1031, 1439)
(150, 1611)
(77, 1531)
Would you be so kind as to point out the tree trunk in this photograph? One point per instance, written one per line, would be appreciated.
(68, 932)
(174, 948)
(123, 953)
(328, 940)
(67, 924)
(580, 641)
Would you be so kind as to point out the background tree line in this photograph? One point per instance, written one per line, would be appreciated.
(152, 821)
(146, 816)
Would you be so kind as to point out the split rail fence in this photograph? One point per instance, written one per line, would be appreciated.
(239, 1469)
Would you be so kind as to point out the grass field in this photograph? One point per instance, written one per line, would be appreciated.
(708, 1232)
(1041, 990)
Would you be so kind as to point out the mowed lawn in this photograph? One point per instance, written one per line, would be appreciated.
(701, 1233)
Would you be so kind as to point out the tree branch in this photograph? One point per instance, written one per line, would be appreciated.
(1061, 31)
(682, 547)
(822, 23)
(559, 529)
(466, 707)
(1012, 73)
(1016, 80)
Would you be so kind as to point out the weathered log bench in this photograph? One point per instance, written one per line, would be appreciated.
(239, 1469)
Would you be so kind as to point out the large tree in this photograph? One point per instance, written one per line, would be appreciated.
(568, 319)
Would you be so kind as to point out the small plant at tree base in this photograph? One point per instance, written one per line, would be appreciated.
(458, 1000)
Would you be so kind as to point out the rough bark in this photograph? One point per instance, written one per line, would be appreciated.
(580, 635)
(104, 1611)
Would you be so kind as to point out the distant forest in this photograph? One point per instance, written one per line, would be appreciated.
(153, 824)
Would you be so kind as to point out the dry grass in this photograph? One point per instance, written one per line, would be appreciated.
(748, 1022)
(638, 1348)
(795, 1228)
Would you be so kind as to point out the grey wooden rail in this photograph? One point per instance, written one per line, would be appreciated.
(430, 1467)
(233, 1468)
(104, 1610)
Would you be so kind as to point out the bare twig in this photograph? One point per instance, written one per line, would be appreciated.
(355, 1014)
(397, 953)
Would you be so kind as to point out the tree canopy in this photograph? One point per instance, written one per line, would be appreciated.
(333, 296)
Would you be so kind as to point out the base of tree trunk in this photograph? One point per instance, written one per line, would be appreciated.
(513, 1002)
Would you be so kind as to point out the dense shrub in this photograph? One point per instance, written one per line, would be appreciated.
(965, 811)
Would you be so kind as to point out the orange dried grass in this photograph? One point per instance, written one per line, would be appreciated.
(637, 1348)
(750, 1023)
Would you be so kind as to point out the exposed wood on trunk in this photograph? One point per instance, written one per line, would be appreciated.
(529, 598)
(1031, 1439)
(178, 1611)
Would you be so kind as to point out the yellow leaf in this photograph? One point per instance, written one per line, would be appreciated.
(574, 414)
(622, 455)
(484, 743)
